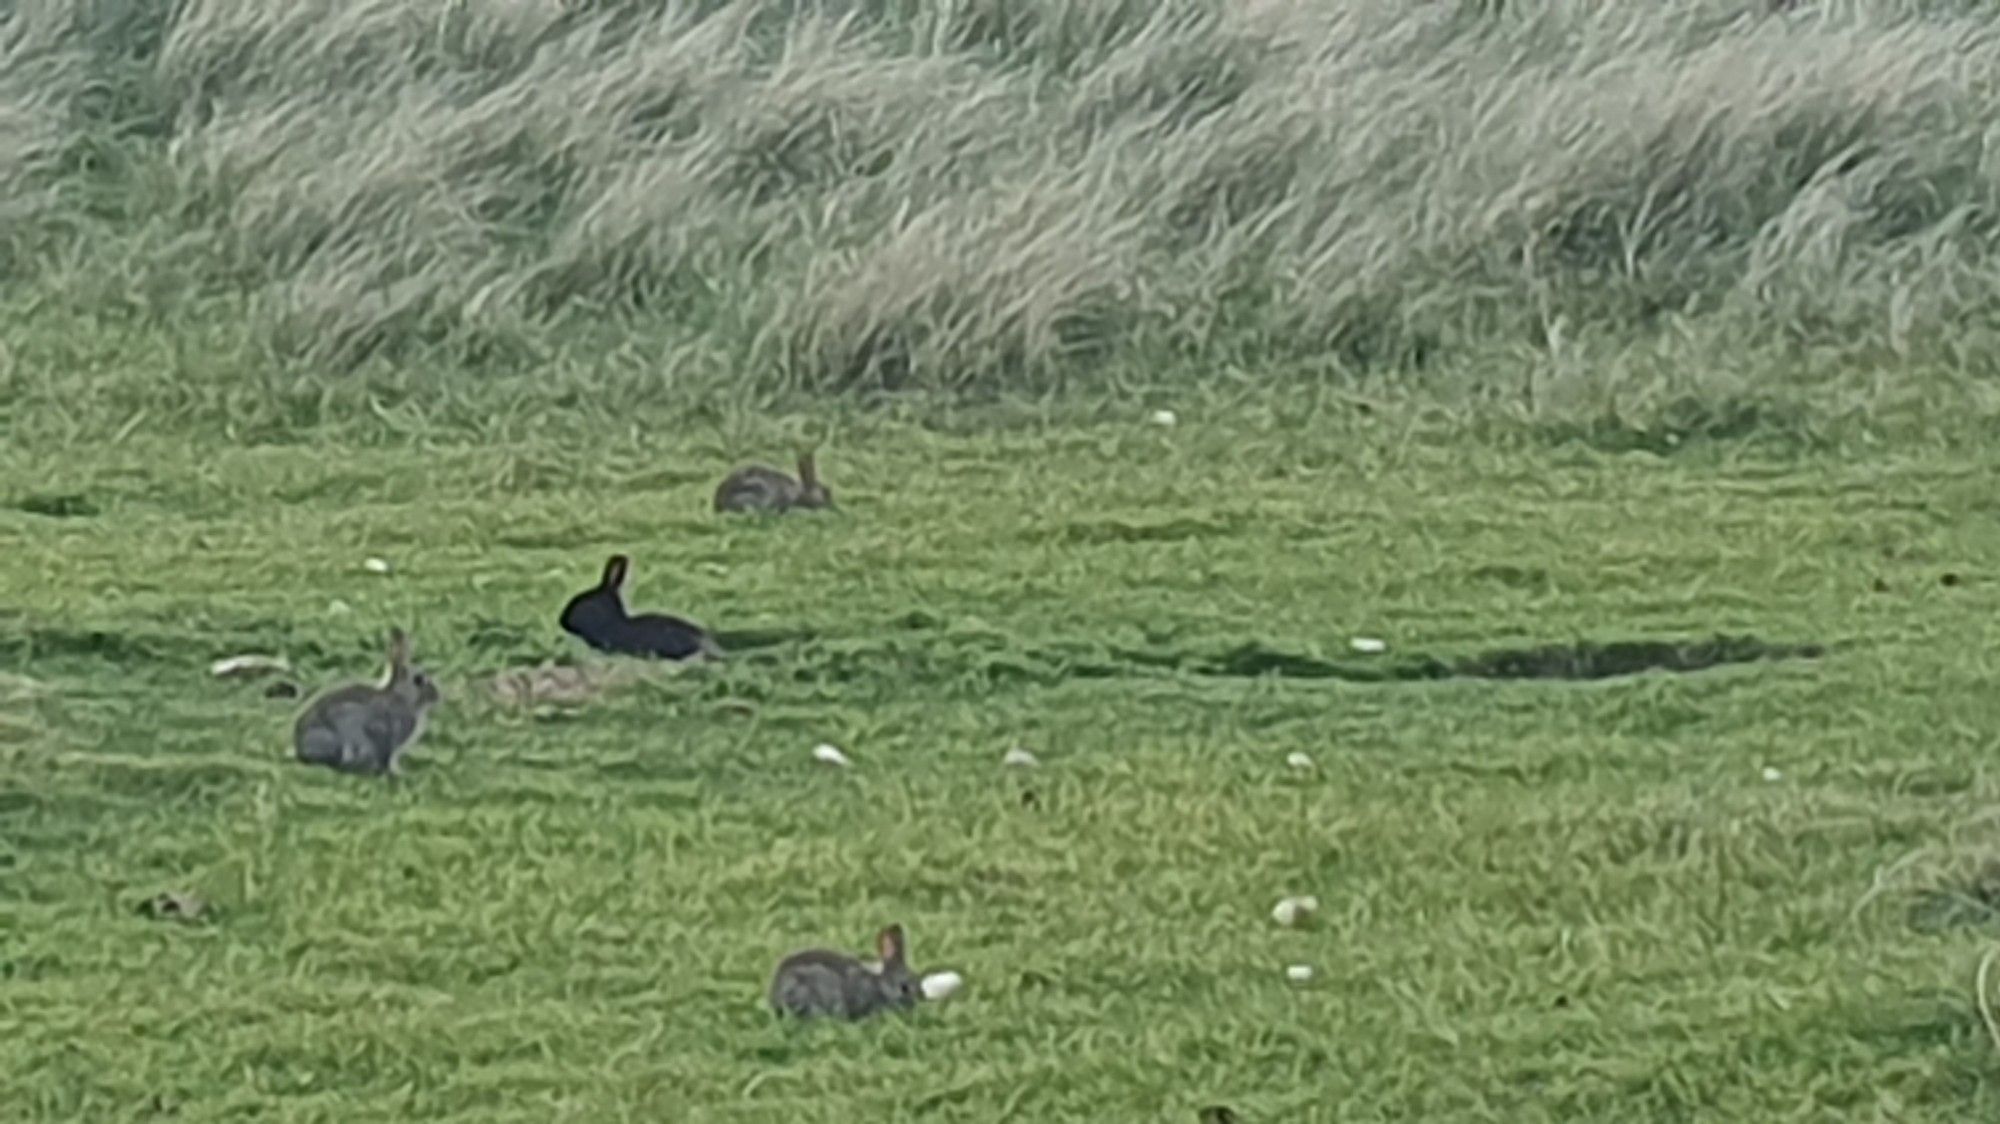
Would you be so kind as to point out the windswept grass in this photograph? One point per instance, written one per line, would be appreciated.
(1563, 210)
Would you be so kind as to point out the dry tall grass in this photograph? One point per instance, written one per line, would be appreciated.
(970, 194)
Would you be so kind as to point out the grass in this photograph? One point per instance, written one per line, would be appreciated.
(1489, 327)
(1541, 901)
(1575, 208)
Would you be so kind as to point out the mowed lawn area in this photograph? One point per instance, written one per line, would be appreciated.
(1752, 892)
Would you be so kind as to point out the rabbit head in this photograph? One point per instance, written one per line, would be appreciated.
(900, 987)
(603, 605)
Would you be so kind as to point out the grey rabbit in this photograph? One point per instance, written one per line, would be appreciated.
(819, 981)
(363, 728)
(762, 488)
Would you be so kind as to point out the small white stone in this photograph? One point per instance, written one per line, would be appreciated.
(337, 607)
(1368, 645)
(1299, 973)
(376, 565)
(243, 667)
(1290, 911)
(1020, 758)
(1298, 761)
(1165, 418)
(941, 985)
(830, 754)
(1773, 775)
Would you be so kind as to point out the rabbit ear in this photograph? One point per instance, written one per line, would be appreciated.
(614, 572)
(808, 473)
(399, 651)
(889, 945)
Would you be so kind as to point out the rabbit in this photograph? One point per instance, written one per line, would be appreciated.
(362, 728)
(823, 982)
(598, 616)
(762, 488)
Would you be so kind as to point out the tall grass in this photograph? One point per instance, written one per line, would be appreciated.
(982, 195)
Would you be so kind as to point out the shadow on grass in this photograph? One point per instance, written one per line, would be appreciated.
(57, 505)
(919, 646)
(1581, 661)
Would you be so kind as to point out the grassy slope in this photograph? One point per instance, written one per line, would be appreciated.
(1541, 901)
(1626, 206)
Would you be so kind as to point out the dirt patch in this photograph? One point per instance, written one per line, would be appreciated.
(560, 685)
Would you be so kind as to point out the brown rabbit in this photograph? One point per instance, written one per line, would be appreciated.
(820, 981)
(762, 488)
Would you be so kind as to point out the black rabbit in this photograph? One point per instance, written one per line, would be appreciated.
(598, 616)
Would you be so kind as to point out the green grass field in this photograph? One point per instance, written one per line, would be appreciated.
(1540, 900)
(1489, 327)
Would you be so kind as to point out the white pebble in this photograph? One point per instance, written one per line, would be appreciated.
(233, 667)
(1165, 418)
(376, 565)
(1772, 775)
(1299, 973)
(1019, 757)
(1290, 911)
(1298, 761)
(830, 754)
(1368, 645)
(941, 985)
(337, 607)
